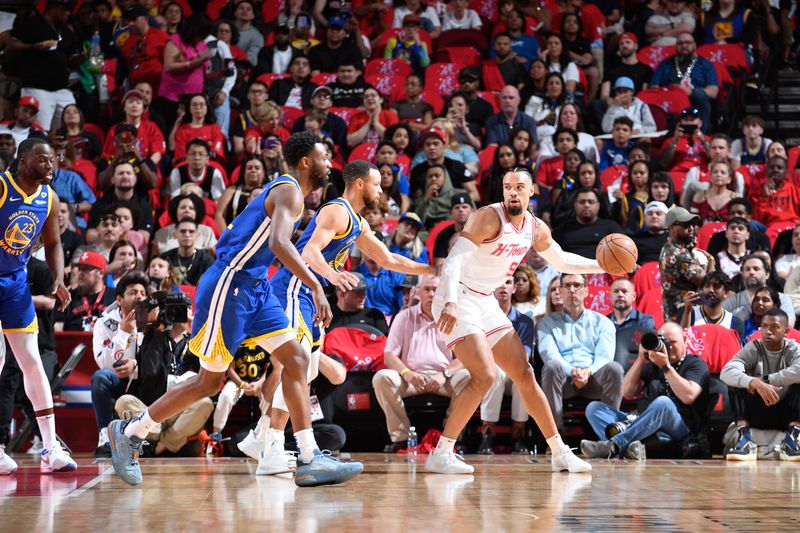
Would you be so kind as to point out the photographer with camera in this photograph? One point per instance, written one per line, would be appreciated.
(674, 389)
(705, 307)
(688, 147)
(163, 360)
(114, 342)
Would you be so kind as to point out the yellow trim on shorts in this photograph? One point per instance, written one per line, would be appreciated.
(33, 327)
(218, 348)
(272, 334)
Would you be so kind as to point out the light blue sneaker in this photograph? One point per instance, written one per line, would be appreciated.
(325, 470)
(125, 452)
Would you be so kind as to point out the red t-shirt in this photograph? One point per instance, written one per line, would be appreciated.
(688, 155)
(149, 140)
(550, 171)
(387, 118)
(144, 57)
(210, 133)
(592, 19)
(780, 206)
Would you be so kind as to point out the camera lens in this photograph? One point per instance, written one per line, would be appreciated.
(651, 342)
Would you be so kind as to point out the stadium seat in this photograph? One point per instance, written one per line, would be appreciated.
(794, 157)
(773, 230)
(714, 343)
(345, 113)
(386, 84)
(730, 55)
(463, 56)
(707, 231)
(360, 348)
(387, 66)
(650, 303)
(430, 242)
(670, 99)
(97, 131)
(430, 96)
(599, 297)
(442, 78)
(324, 78)
(363, 151)
(492, 98)
(290, 115)
(473, 38)
(269, 78)
(485, 159)
(653, 55)
(647, 277)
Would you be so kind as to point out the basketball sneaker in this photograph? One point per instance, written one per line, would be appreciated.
(56, 460)
(744, 449)
(447, 463)
(36, 446)
(275, 460)
(325, 470)
(566, 460)
(103, 448)
(7, 464)
(604, 449)
(790, 447)
(636, 451)
(125, 452)
(251, 446)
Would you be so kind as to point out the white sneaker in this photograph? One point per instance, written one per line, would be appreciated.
(102, 438)
(566, 460)
(276, 460)
(36, 446)
(251, 446)
(7, 464)
(56, 460)
(447, 463)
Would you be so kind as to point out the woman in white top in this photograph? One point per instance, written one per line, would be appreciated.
(459, 17)
(569, 116)
(430, 20)
(556, 56)
(527, 297)
(788, 262)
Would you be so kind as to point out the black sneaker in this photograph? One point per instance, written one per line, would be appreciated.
(520, 447)
(487, 444)
(790, 447)
(745, 449)
(103, 451)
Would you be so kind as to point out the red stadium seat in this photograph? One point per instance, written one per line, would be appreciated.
(360, 350)
(599, 297)
(463, 56)
(485, 159)
(486, 9)
(492, 98)
(730, 55)
(794, 157)
(345, 113)
(386, 84)
(707, 231)
(647, 277)
(430, 96)
(650, 304)
(670, 99)
(430, 242)
(442, 78)
(474, 38)
(613, 174)
(324, 78)
(715, 344)
(88, 172)
(290, 114)
(97, 131)
(387, 66)
(269, 78)
(773, 230)
(363, 151)
(653, 55)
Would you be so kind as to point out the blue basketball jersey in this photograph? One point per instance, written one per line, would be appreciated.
(335, 252)
(244, 245)
(22, 218)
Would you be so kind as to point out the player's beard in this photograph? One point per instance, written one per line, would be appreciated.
(371, 204)
(516, 210)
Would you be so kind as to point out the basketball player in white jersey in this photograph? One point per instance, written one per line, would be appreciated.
(494, 242)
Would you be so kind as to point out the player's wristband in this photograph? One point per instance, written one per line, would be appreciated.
(404, 371)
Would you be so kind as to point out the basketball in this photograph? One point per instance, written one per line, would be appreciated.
(617, 254)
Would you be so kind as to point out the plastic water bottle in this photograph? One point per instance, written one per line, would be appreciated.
(95, 54)
(412, 441)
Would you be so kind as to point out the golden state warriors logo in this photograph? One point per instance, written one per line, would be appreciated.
(341, 258)
(20, 233)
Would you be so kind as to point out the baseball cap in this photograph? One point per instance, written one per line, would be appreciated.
(93, 259)
(133, 93)
(412, 218)
(630, 36)
(135, 12)
(122, 128)
(283, 28)
(412, 19)
(657, 206)
(362, 283)
(691, 112)
(409, 282)
(459, 199)
(623, 82)
(322, 89)
(679, 215)
(29, 101)
(432, 132)
(337, 22)
(468, 72)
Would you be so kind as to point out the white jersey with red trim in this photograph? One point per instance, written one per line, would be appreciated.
(497, 259)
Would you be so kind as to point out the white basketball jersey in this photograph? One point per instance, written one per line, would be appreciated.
(497, 259)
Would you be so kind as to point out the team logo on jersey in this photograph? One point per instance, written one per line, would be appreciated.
(20, 233)
(341, 258)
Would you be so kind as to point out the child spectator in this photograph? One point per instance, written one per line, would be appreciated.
(615, 152)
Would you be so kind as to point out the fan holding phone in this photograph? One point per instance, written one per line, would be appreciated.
(705, 307)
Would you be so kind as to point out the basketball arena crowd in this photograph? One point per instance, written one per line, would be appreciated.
(646, 118)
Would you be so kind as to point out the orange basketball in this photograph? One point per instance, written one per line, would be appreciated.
(617, 254)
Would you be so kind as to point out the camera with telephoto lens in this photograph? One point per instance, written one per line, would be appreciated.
(653, 342)
(173, 308)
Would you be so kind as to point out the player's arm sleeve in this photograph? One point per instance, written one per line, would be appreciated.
(451, 269)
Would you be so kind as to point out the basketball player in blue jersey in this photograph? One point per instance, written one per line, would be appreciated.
(325, 245)
(234, 301)
(28, 208)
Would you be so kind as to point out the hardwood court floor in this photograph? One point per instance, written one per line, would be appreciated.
(506, 494)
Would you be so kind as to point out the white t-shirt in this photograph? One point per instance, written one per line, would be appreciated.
(471, 21)
(570, 72)
(665, 20)
(429, 13)
(787, 263)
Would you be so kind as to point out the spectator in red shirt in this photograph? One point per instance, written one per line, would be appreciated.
(689, 146)
(369, 124)
(149, 140)
(269, 118)
(143, 51)
(550, 170)
(778, 200)
(198, 123)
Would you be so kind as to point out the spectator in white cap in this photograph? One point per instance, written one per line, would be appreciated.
(627, 105)
(654, 234)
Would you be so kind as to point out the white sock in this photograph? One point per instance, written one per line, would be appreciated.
(276, 436)
(47, 427)
(445, 445)
(140, 426)
(306, 444)
(555, 443)
(261, 428)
